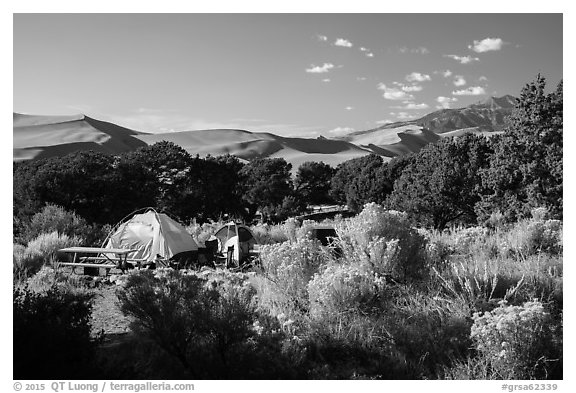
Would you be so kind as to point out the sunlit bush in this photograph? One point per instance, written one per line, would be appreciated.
(41, 251)
(48, 278)
(530, 237)
(202, 232)
(367, 238)
(517, 341)
(53, 218)
(343, 288)
(287, 269)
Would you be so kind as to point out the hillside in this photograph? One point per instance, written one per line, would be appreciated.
(46, 136)
(488, 115)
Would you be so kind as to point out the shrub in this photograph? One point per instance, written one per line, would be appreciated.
(429, 330)
(278, 234)
(202, 232)
(368, 237)
(48, 278)
(287, 269)
(519, 342)
(261, 233)
(55, 218)
(40, 251)
(52, 335)
(269, 234)
(205, 321)
(466, 238)
(530, 237)
(343, 288)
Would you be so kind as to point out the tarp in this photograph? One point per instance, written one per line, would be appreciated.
(152, 234)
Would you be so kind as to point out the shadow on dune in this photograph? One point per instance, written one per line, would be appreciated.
(411, 141)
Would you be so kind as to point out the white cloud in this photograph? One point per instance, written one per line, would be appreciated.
(445, 102)
(341, 130)
(471, 91)
(369, 54)
(487, 44)
(320, 69)
(326, 80)
(392, 93)
(343, 42)
(420, 50)
(402, 115)
(412, 88)
(361, 78)
(384, 121)
(463, 59)
(483, 79)
(363, 49)
(322, 37)
(417, 77)
(446, 74)
(349, 108)
(412, 106)
(459, 80)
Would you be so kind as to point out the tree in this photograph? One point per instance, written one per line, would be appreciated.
(526, 168)
(218, 187)
(312, 182)
(80, 182)
(356, 182)
(441, 184)
(366, 179)
(170, 166)
(267, 182)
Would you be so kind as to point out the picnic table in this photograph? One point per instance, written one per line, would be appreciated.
(97, 258)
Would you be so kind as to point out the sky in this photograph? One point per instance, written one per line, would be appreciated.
(290, 74)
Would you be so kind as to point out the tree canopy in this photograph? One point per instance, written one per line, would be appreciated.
(441, 184)
(525, 170)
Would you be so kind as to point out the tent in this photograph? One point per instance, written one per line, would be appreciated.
(235, 242)
(151, 234)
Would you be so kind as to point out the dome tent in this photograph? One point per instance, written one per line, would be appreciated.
(234, 242)
(151, 234)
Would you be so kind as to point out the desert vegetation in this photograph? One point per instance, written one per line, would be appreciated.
(451, 268)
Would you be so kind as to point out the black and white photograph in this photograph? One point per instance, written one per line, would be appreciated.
(257, 196)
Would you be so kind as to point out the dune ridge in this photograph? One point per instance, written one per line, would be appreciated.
(47, 136)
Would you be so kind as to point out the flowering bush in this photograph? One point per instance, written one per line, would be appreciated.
(343, 288)
(48, 244)
(40, 251)
(464, 239)
(367, 238)
(53, 218)
(288, 267)
(48, 279)
(530, 237)
(517, 341)
(202, 232)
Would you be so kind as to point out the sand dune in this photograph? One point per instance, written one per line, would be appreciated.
(248, 145)
(392, 142)
(48, 136)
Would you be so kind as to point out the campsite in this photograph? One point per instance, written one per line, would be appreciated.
(267, 197)
(380, 286)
